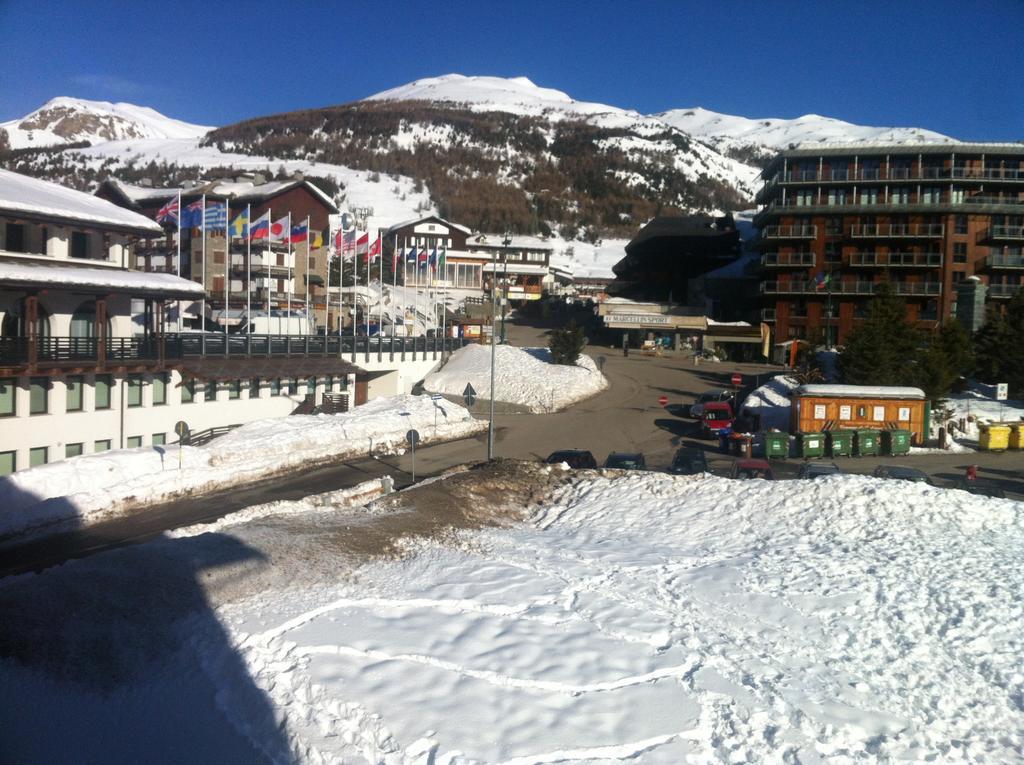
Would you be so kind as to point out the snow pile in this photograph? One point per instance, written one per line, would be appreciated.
(655, 619)
(523, 376)
(98, 486)
(771, 403)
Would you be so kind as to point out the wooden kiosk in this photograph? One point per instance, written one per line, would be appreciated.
(817, 408)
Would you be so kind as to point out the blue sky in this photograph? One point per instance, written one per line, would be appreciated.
(946, 66)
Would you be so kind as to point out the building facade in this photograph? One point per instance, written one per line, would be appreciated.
(834, 222)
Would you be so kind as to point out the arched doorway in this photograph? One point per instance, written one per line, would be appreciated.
(15, 323)
(83, 321)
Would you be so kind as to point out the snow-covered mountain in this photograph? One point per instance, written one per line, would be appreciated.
(732, 135)
(65, 120)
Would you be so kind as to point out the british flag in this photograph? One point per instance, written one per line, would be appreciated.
(169, 212)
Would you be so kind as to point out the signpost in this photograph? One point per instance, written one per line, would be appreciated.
(1002, 389)
(737, 379)
(600, 363)
(413, 437)
(435, 397)
(663, 400)
(182, 431)
(469, 395)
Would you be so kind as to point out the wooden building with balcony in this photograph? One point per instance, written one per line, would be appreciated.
(834, 222)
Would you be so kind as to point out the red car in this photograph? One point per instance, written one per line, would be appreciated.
(751, 469)
(716, 416)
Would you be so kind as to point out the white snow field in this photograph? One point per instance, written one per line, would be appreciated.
(98, 486)
(522, 376)
(639, 618)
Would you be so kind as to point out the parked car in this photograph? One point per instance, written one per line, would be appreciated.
(980, 488)
(902, 473)
(716, 416)
(707, 397)
(689, 462)
(626, 461)
(818, 469)
(746, 469)
(575, 458)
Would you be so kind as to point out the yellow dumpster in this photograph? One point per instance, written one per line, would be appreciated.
(994, 438)
(1017, 436)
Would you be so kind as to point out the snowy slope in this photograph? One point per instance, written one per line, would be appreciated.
(66, 120)
(725, 131)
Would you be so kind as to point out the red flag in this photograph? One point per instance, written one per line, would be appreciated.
(374, 251)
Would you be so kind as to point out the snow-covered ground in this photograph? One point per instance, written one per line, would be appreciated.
(98, 486)
(636, 618)
(523, 376)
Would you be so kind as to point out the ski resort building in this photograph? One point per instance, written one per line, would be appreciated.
(87, 363)
(520, 266)
(835, 222)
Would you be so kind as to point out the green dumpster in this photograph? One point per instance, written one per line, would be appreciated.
(812, 445)
(840, 443)
(867, 443)
(776, 445)
(896, 442)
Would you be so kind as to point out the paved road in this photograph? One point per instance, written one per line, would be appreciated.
(626, 417)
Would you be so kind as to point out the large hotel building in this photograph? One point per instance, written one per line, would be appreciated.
(836, 221)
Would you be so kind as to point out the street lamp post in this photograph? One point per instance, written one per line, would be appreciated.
(505, 242)
(494, 291)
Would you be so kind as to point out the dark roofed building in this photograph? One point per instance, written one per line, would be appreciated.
(671, 251)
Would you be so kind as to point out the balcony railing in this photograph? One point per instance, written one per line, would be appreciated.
(1001, 291)
(783, 259)
(849, 288)
(68, 351)
(896, 259)
(1002, 233)
(789, 232)
(1005, 261)
(898, 230)
(899, 174)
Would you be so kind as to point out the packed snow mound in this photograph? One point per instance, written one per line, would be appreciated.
(67, 120)
(523, 376)
(98, 486)
(662, 620)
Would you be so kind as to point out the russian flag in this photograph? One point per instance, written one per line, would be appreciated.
(260, 228)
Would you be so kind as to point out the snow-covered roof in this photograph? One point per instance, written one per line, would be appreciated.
(414, 221)
(859, 391)
(34, 198)
(518, 242)
(516, 268)
(32, 274)
(142, 195)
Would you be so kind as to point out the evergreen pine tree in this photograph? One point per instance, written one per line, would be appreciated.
(882, 350)
(991, 343)
(943, 361)
(566, 344)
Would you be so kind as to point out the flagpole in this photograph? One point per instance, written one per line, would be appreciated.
(355, 284)
(380, 254)
(394, 288)
(341, 284)
(267, 254)
(291, 258)
(368, 311)
(248, 271)
(405, 282)
(327, 289)
(307, 271)
(202, 308)
(178, 268)
(227, 266)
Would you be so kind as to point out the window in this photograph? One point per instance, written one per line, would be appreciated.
(72, 450)
(38, 395)
(235, 389)
(102, 445)
(804, 197)
(134, 441)
(7, 397)
(275, 387)
(840, 171)
(159, 439)
(832, 253)
(211, 391)
(869, 196)
(188, 391)
(899, 196)
(329, 384)
(74, 393)
(159, 389)
(931, 195)
(837, 197)
(959, 276)
(8, 462)
(79, 244)
(15, 238)
(293, 387)
(254, 387)
(956, 196)
(311, 386)
(960, 226)
(103, 383)
(899, 168)
(134, 390)
(38, 456)
(869, 170)
(959, 252)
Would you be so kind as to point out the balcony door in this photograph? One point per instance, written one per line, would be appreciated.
(15, 323)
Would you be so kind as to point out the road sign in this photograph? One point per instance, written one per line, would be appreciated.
(181, 428)
(1001, 391)
(470, 400)
(469, 390)
(663, 400)
(436, 397)
(600, 362)
(737, 379)
(413, 437)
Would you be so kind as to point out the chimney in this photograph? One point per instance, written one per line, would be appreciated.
(188, 184)
(297, 175)
(258, 179)
(146, 183)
